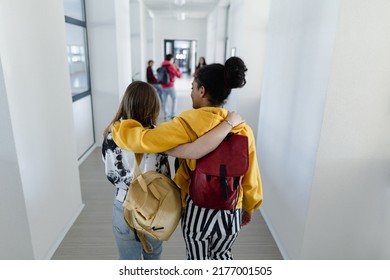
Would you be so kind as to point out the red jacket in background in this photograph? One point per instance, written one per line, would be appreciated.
(173, 72)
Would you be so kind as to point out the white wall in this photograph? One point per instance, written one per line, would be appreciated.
(323, 129)
(299, 55)
(353, 162)
(149, 38)
(170, 29)
(217, 35)
(123, 44)
(110, 58)
(137, 50)
(40, 134)
(247, 31)
(15, 238)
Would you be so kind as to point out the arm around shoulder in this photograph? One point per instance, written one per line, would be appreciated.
(209, 141)
(131, 135)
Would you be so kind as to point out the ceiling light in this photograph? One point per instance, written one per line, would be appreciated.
(180, 2)
(181, 16)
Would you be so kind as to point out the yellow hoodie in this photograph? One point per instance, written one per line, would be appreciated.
(187, 127)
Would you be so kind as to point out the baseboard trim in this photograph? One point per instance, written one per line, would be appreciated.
(274, 235)
(63, 233)
(87, 154)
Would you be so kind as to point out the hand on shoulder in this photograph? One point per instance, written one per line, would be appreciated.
(234, 118)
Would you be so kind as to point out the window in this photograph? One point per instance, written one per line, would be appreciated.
(74, 9)
(77, 48)
(77, 52)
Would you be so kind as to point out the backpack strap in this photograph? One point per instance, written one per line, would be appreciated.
(223, 180)
(138, 173)
(138, 176)
(146, 245)
(137, 162)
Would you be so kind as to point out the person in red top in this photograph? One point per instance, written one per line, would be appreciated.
(151, 79)
(169, 89)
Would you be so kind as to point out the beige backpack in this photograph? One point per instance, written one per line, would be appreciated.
(152, 206)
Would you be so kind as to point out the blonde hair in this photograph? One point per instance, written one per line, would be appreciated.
(140, 102)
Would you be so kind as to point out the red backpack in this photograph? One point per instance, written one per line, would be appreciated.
(216, 180)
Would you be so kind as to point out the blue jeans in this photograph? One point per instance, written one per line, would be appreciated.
(129, 247)
(171, 91)
(160, 92)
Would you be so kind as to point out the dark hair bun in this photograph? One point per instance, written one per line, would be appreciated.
(235, 72)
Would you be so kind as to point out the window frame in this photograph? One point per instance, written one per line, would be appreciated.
(83, 24)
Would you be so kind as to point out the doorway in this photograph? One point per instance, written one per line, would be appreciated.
(184, 53)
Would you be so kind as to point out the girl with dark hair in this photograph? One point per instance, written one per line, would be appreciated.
(140, 102)
(208, 233)
(201, 63)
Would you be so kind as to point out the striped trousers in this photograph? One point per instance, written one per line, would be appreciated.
(209, 234)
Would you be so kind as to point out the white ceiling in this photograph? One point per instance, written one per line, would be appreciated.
(192, 9)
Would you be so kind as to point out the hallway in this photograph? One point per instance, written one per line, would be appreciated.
(91, 238)
(317, 99)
